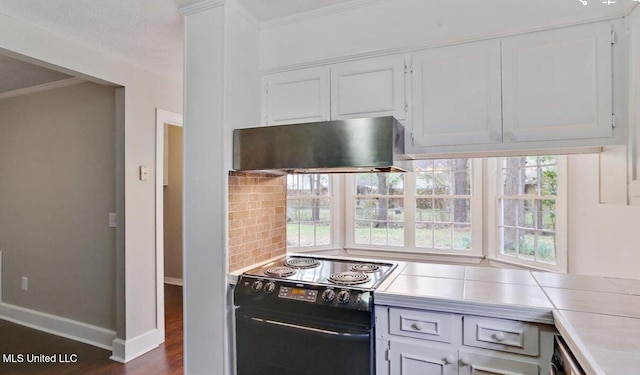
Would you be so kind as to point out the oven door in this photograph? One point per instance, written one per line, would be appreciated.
(278, 344)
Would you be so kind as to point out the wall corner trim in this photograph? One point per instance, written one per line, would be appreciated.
(43, 87)
(59, 326)
(199, 7)
(127, 350)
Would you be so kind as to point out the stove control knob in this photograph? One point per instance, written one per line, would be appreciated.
(328, 295)
(344, 296)
(269, 287)
(256, 286)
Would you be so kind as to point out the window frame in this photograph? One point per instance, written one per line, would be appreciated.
(493, 222)
(409, 248)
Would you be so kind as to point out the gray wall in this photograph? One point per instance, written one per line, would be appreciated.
(173, 206)
(57, 187)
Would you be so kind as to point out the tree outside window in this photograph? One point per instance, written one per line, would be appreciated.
(527, 208)
(379, 209)
(443, 204)
(308, 210)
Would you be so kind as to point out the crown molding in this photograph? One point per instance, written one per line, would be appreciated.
(199, 7)
(243, 12)
(320, 12)
(43, 87)
(421, 46)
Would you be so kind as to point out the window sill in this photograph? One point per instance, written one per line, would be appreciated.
(501, 263)
(316, 251)
(412, 255)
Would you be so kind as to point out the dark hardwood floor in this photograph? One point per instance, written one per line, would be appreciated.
(164, 360)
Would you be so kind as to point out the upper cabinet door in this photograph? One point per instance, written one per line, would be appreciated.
(557, 84)
(368, 88)
(297, 96)
(456, 95)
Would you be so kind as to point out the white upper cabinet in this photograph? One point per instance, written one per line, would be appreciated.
(296, 96)
(557, 85)
(547, 90)
(364, 88)
(368, 88)
(456, 95)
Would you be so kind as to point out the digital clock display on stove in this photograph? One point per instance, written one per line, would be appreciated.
(299, 294)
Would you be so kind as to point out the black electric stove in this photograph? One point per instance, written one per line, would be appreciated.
(291, 312)
(324, 271)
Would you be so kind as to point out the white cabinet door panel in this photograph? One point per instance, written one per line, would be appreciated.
(415, 359)
(456, 95)
(368, 88)
(478, 364)
(297, 96)
(557, 84)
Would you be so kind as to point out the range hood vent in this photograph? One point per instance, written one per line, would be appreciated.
(343, 146)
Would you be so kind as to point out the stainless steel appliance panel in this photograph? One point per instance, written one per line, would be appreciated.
(563, 362)
(354, 145)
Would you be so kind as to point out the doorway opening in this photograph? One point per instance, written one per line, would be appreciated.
(169, 252)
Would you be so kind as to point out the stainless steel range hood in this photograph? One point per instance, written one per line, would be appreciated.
(355, 145)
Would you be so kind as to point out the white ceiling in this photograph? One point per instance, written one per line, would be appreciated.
(149, 33)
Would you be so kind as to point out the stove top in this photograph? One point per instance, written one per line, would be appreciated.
(325, 271)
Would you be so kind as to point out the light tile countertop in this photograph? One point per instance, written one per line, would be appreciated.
(598, 317)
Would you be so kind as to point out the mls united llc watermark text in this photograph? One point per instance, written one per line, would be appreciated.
(39, 358)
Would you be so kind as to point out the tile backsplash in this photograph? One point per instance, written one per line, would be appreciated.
(257, 218)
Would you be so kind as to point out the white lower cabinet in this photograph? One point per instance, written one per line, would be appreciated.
(482, 364)
(408, 358)
(411, 358)
(420, 342)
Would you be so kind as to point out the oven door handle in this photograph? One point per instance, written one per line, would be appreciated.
(311, 329)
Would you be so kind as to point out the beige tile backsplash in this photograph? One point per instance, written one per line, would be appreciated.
(257, 218)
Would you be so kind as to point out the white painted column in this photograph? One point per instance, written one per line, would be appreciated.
(205, 190)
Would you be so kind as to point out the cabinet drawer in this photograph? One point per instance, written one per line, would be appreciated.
(425, 325)
(504, 335)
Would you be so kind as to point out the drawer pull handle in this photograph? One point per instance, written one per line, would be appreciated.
(417, 326)
(465, 361)
(499, 336)
(449, 359)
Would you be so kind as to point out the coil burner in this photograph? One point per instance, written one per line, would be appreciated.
(365, 267)
(280, 271)
(349, 278)
(301, 263)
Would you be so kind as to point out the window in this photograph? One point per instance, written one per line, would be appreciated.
(309, 210)
(379, 209)
(530, 211)
(443, 204)
(429, 210)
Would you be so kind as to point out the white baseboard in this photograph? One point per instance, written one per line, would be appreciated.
(71, 329)
(173, 281)
(126, 350)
